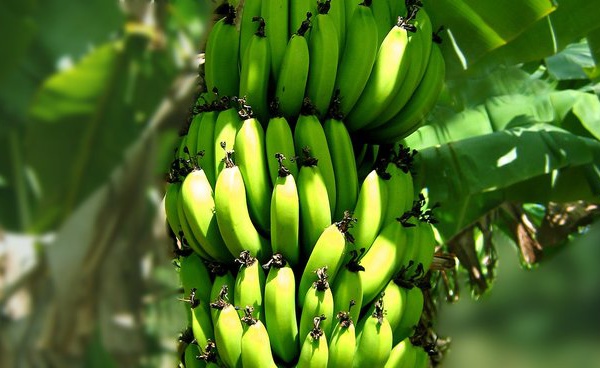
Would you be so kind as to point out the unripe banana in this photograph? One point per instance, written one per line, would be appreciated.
(202, 324)
(329, 252)
(389, 70)
(393, 299)
(374, 341)
(191, 352)
(299, 10)
(256, 349)
(426, 246)
(292, 79)
(318, 301)
(359, 53)
(403, 355)
(222, 277)
(186, 234)
(275, 14)
(338, 13)
(323, 46)
(314, 352)
(228, 330)
(382, 13)
(226, 127)
(221, 69)
(255, 72)
(280, 309)
(315, 213)
(206, 134)
(410, 316)
(249, 285)
(234, 221)
(285, 215)
(347, 287)
(399, 185)
(309, 133)
(279, 139)
(342, 343)
(250, 157)
(422, 358)
(209, 357)
(250, 10)
(194, 274)
(171, 207)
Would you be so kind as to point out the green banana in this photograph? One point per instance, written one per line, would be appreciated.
(249, 284)
(194, 274)
(374, 340)
(347, 287)
(315, 213)
(342, 343)
(382, 13)
(314, 352)
(255, 72)
(226, 127)
(285, 215)
(221, 71)
(338, 13)
(171, 208)
(299, 11)
(250, 10)
(399, 185)
(191, 352)
(403, 355)
(222, 277)
(394, 299)
(186, 233)
(389, 70)
(291, 83)
(329, 252)
(202, 325)
(209, 356)
(426, 246)
(422, 358)
(397, 8)
(233, 218)
(418, 106)
(344, 164)
(206, 134)
(358, 55)
(228, 330)
(318, 301)
(309, 133)
(280, 308)
(369, 211)
(323, 46)
(413, 308)
(279, 139)
(275, 14)
(256, 349)
(249, 150)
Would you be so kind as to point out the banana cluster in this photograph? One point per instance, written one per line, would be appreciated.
(377, 56)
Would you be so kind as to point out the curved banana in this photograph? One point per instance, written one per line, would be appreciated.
(255, 72)
(249, 285)
(323, 46)
(318, 301)
(190, 354)
(382, 13)
(422, 358)
(202, 325)
(344, 165)
(342, 342)
(347, 287)
(389, 70)
(315, 213)
(338, 14)
(358, 55)
(314, 352)
(285, 215)
(399, 185)
(194, 274)
(256, 349)
(403, 355)
(425, 247)
(221, 71)
(309, 133)
(233, 218)
(250, 10)
(413, 308)
(206, 134)
(275, 14)
(393, 299)
(417, 107)
(228, 330)
(250, 157)
(222, 277)
(329, 252)
(291, 83)
(279, 139)
(226, 127)
(186, 234)
(171, 206)
(374, 340)
(299, 10)
(280, 309)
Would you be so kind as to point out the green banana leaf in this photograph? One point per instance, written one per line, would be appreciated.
(84, 118)
(18, 28)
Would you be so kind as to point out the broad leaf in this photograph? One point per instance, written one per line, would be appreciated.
(18, 28)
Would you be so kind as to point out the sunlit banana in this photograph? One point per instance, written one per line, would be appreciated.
(347, 287)
(318, 301)
(323, 46)
(314, 352)
(221, 69)
(279, 139)
(275, 14)
(403, 355)
(226, 127)
(280, 309)
(374, 340)
(249, 285)
(250, 10)
(250, 157)
(194, 274)
(291, 83)
(358, 55)
(393, 300)
(186, 234)
(285, 215)
(228, 330)
(202, 324)
(222, 277)
(342, 343)
(256, 349)
(233, 218)
(255, 72)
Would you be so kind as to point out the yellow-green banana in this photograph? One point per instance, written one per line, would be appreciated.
(280, 309)
(255, 72)
(233, 218)
(347, 287)
(222, 277)
(171, 207)
(202, 325)
(323, 46)
(249, 285)
(403, 355)
(206, 134)
(413, 308)
(309, 133)
(285, 215)
(186, 233)
(250, 10)
(291, 83)
(422, 358)
(250, 157)
(228, 330)
(226, 127)
(426, 246)
(279, 139)
(399, 185)
(194, 274)
(393, 299)
(275, 14)
(374, 340)
(256, 349)
(318, 301)
(358, 56)
(314, 352)
(342, 343)
(221, 69)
